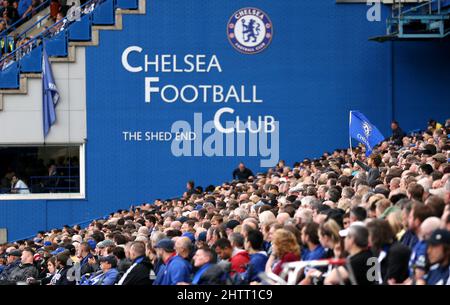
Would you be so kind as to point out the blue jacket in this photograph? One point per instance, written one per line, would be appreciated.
(256, 265)
(438, 275)
(176, 270)
(318, 253)
(23, 6)
(409, 239)
(199, 273)
(418, 256)
(100, 278)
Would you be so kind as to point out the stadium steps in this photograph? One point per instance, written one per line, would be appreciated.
(71, 58)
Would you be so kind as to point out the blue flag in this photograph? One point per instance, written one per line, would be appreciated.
(50, 95)
(363, 131)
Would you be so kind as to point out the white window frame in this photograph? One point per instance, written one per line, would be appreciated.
(56, 196)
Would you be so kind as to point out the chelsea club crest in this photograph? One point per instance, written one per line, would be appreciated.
(249, 30)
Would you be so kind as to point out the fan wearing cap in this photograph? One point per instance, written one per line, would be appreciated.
(12, 261)
(438, 252)
(25, 269)
(107, 275)
(438, 159)
(175, 268)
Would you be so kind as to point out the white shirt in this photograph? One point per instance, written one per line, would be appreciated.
(21, 187)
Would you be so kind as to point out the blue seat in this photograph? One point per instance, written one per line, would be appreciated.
(57, 45)
(128, 4)
(32, 62)
(104, 13)
(9, 77)
(81, 30)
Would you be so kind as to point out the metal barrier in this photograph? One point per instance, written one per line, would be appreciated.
(290, 273)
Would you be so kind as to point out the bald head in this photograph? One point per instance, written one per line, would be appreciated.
(183, 246)
(176, 225)
(428, 226)
(282, 218)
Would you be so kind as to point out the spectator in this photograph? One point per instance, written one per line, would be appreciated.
(12, 262)
(285, 248)
(392, 256)
(18, 186)
(25, 269)
(203, 261)
(439, 256)
(258, 257)
(312, 249)
(24, 8)
(417, 260)
(242, 173)
(373, 172)
(107, 275)
(356, 243)
(175, 269)
(139, 271)
(87, 259)
(417, 215)
(397, 134)
(62, 276)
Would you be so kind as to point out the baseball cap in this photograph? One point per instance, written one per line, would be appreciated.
(202, 236)
(166, 244)
(105, 243)
(231, 224)
(108, 259)
(189, 235)
(439, 237)
(47, 243)
(440, 157)
(57, 251)
(344, 232)
(92, 244)
(17, 253)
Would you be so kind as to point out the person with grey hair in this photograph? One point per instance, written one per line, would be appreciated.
(358, 269)
(348, 192)
(184, 247)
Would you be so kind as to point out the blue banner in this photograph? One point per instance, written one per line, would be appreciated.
(364, 131)
(50, 95)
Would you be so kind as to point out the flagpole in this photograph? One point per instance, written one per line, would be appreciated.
(349, 136)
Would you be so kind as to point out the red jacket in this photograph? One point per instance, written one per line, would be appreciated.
(287, 258)
(239, 262)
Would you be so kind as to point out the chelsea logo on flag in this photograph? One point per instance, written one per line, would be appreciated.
(367, 129)
(249, 30)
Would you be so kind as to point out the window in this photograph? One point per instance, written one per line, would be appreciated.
(42, 172)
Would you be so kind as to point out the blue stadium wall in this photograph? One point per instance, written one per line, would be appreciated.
(318, 66)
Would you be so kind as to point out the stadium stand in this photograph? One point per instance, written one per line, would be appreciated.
(317, 222)
(60, 34)
(427, 20)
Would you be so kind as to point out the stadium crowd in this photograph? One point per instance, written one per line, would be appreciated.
(382, 219)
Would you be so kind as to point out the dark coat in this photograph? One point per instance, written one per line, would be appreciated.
(140, 274)
(22, 272)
